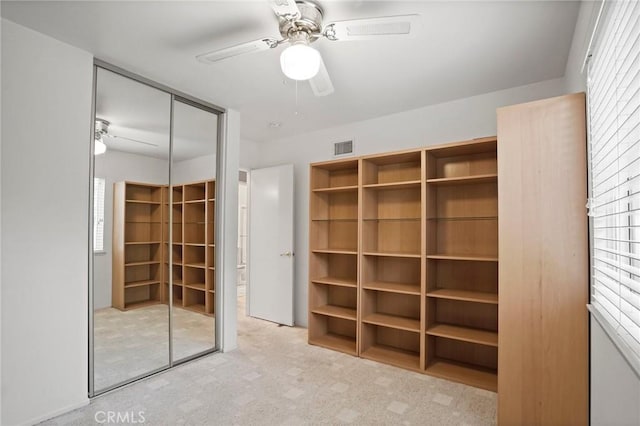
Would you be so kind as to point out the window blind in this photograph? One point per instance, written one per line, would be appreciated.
(614, 157)
(98, 214)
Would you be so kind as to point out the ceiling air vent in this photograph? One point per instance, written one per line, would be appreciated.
(342, 148)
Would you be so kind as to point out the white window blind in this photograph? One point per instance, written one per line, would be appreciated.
(98, 214)
(614, 155)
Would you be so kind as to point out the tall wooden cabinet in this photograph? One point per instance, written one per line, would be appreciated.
(403, 259)
(142, 251)
(544, 352)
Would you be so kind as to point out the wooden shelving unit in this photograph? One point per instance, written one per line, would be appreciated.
(333, 260)
(391, 283)
(145, 234)
(404, 259)
(137, 245)
(462, 263)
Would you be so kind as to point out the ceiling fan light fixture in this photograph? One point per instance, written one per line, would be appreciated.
(100, 147)
(300, 61)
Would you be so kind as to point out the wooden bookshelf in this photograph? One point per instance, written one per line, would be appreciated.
(333, 260)
(404, 261)
(141, 234)
(462, 263)
(391, 261)
(137, 245)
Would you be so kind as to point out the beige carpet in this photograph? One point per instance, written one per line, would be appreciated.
(132, 343)
(276, 378)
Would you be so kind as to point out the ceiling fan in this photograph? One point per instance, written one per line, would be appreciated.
(300, 24)
(102, 131)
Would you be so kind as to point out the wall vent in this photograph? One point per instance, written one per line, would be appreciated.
(342, 148)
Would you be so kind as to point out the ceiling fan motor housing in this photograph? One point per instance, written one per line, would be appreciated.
(102, 127)
(310, 21)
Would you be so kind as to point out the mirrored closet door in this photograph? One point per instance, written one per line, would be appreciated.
(154, 197)
(193, 171)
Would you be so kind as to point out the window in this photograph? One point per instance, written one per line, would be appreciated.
(614, 159)
(98, 214)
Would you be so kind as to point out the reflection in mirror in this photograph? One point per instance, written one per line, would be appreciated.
(193, 184)
(131, 177)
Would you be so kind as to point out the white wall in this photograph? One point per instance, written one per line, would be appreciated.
(195, 169)
(452, 121)
(249, 154)
(615, 388)
(0, 230)
(46, 97)
(116, 166)
(227, 214)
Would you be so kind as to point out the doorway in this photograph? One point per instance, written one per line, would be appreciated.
(243, 240)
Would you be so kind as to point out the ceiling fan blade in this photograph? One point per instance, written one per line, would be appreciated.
(237, 50)
(321, 83)
(285, 9)
(129, 139)
(370, 29)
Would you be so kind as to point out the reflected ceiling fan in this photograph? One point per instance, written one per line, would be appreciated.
(300, 23)
(102, 131)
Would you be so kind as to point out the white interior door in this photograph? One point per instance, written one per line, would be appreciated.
(270, 288)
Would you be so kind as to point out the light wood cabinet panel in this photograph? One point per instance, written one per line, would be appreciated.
(543, 269)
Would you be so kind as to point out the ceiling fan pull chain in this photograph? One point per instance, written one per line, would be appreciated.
(296, 111)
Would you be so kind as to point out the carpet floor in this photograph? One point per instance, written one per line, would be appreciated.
(276, 378)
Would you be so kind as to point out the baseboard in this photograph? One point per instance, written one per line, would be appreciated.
(57, 413)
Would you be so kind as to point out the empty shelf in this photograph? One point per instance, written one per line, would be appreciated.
(342, 282)
(394, 185)
(463, 180)
(196, 286)
(462, 257)
(393, 356)
(336, 311)
(336, 342)
(465, 295)
(349, 188)
(141, 283)
(392, 321)
(465, 334)
(388, 254)
(200, 265)
(464, 373)
(146, 262)
(334, 251)
(392, 287)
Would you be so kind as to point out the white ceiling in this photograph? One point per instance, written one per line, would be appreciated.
(461, 49)
(140, 112)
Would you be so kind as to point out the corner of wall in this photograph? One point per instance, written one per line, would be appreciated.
(229, 176)
(575, 79)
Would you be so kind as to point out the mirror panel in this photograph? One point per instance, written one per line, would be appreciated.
(193, 183)
(131, 315)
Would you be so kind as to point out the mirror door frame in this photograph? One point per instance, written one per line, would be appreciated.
(220, 113)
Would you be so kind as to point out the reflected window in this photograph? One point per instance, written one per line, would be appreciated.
(98, 214)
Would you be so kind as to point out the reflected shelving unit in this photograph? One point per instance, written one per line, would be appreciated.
(137, 245)
(141, 229)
